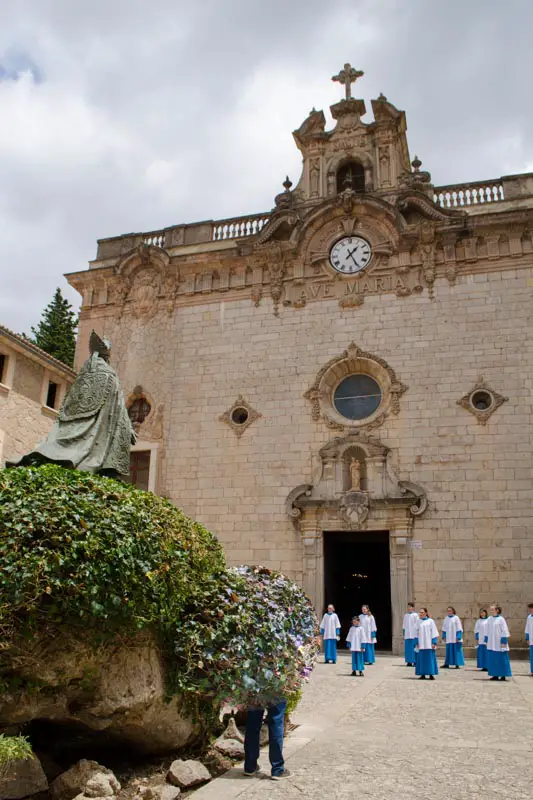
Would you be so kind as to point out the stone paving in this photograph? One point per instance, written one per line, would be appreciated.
(390, 736)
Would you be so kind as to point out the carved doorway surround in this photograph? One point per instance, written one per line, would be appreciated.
(356, 490)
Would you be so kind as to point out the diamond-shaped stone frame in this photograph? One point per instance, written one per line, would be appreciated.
(253, 415)
(482, 416)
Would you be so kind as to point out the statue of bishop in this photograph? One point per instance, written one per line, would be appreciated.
(93, 432)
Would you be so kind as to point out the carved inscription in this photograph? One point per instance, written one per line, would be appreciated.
(350, 290)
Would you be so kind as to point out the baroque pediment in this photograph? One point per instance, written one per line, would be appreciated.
(355, 478)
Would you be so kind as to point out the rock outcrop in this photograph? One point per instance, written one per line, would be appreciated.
(22, 779)
(116, 688)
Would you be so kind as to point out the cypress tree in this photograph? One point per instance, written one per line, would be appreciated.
(56, 332)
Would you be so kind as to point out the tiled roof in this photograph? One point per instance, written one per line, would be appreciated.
(36, 351)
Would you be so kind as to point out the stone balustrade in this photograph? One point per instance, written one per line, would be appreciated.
(178, 235)
(469, 194)
(510, 188)
(239, 227)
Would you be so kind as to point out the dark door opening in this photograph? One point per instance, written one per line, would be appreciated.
(357, 572)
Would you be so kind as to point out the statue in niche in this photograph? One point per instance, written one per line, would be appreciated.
(355, 475)
(315, 177)
(93, 432)
(384, 162)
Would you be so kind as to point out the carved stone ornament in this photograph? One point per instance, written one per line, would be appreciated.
(332, 495)
(354, 508)
(482, 401)
(145, 283)
(240, 416)
(354, 361)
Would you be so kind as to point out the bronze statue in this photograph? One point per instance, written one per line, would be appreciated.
(93, 432)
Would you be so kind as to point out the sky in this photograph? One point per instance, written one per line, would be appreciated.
(133, 115)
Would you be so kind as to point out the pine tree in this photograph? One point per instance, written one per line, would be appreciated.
(56, 332)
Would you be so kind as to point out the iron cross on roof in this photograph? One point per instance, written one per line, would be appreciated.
(347, 76)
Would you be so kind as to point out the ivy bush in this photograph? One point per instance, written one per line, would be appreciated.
(84, 553)
(80, 550)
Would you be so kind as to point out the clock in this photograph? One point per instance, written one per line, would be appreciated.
(350, 255)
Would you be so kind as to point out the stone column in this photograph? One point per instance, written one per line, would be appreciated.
(401, 581)
(313, 563)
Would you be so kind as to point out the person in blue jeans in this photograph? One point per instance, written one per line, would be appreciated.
(275, 718)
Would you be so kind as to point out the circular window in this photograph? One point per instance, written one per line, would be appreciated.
(357, 397)
(481, 400)
(239, 415)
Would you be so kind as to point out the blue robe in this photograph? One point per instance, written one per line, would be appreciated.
(481, 656)
(330, 650)
(358, 664)
(370, 654)
(409, 651)
(426, 662)
(454, 655)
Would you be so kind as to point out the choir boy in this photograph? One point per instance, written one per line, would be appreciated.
(356, 641)
(497, 641)
(529, 636)
(330, 628)
(452, 635)
(369, 624)
(409, 634)
(480, 631)
(427, 636)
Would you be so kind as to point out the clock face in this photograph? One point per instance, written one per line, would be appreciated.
(350, 255)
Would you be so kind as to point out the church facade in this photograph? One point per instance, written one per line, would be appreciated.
(341, 388)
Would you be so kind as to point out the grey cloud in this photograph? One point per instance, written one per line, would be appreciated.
(153, 113)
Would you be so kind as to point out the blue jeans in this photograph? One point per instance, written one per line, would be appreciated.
(276, 724)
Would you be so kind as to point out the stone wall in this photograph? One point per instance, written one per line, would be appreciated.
(477, 542)
(23, 420)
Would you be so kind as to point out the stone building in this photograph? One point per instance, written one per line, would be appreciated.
(341, 387)
(32, 387)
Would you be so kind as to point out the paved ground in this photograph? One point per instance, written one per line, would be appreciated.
(389, 736)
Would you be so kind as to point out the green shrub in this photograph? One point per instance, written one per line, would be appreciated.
(248, 638)
(85, 555)
(83, 551)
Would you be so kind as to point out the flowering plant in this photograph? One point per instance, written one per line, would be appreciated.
(249, 639)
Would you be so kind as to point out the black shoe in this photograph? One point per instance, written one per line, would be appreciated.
(503, 679)
(431, 677)
(361, 674)
(494, 679)
(253, 774)
(354, 673)
(445, 666)
(457, 668)
(284, 774)
(422, 678)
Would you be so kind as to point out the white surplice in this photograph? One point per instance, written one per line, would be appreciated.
(426, 631)
(496, 631)
(481, 629)
(369, 624)
(409, 625)
(451, 627)
(330, 623)
(356, 637)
